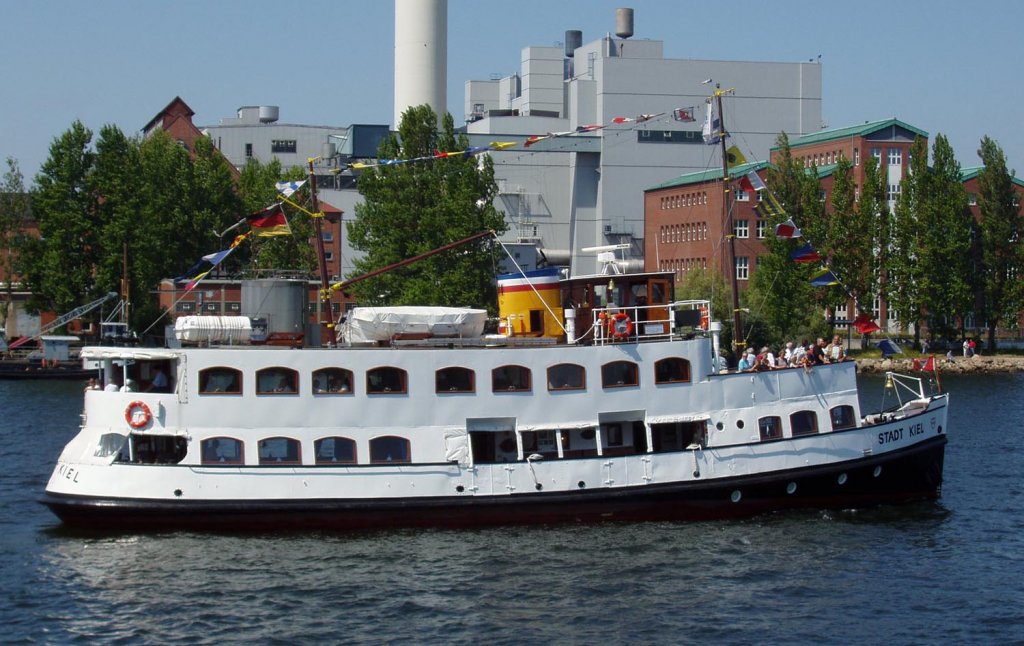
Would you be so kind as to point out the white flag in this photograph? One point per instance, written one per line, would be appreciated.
(712, 124)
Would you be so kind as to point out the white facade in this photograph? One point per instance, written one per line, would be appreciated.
(586, 190)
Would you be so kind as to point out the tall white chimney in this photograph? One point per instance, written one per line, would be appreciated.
(421, 55)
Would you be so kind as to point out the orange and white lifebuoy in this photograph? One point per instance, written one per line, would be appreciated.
(705, 319)
(620, 326)
(137, 414)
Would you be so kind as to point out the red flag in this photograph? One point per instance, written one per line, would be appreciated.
(269, 222)
(865, 324)
(924, 365)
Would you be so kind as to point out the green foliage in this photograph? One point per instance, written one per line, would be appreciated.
(780, 297)
(293, 252)
(141, 201)
(1002, 251)
(60, 271)
(902, 265)
(945, 254)
(706, 284)
(413, 208)
(14, 212)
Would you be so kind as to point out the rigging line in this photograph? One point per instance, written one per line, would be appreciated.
(529, 282)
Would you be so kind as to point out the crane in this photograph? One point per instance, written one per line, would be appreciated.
(66, 318)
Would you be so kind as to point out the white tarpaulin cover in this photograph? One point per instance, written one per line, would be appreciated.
(236, 329)
(383, 323)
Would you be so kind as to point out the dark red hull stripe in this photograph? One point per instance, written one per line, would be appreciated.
(911, 474)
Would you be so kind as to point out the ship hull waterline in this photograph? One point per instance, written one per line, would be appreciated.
(909, 474)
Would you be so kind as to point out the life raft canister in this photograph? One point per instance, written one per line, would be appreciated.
(620, 326)
(137, 414)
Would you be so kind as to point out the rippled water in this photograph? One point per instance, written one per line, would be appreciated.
(944, 572)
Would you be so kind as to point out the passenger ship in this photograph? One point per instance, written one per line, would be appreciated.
(600, 398)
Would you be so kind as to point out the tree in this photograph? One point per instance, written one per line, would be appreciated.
(14, 213)
(902, 268)
(1001, 247)
(60, 269)
(945, 251)
(780, 291)
(849, 244)
(412, 208)
(874, 213)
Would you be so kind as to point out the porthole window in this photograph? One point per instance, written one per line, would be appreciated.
(618, 374)
(672, 370)
(277, 381)
(388, 449)
(511, 379)
(842, 418)
(220, 381)
(335, 450)
(804, 422)
(280, 450)
(332, 381)
(386, 380)
(454, 380)
(222, 450)
(566, 376)
(770, 428)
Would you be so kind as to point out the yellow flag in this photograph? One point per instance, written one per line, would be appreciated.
(735, 156)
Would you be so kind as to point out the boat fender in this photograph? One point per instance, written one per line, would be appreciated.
(620, 326)
(137, 414)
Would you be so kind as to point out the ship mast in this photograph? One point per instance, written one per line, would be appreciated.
(318, 222)
(730, 234)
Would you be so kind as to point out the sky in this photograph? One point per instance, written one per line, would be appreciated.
(943, 66)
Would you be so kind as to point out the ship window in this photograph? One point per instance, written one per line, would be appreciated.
(386, 380)
(389, 448)
(511, 379)
(277, 381)
(566, 376)
(158, 449)
(222, 450)
(770, 428)
(454, 380)
(804, 422)
(280, 450)
(842, 417)
(672, 370)
(335, 450)
(226, 381)
(542, 442)
(619, 373)
(332, 381)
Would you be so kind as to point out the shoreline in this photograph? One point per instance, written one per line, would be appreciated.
(978, 364)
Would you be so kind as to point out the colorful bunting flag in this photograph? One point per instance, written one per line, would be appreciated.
(806, 253)
(734, 156)
(288, 188)
(684, 114)
(755, 181)
(787, 230)
(824, 278)
(271, 221)
(925, 365)
(769, 206)
(865, 324)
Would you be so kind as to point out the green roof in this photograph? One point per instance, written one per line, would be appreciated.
(742, 169)
(709, 175)
(967, 174)
(861, 130)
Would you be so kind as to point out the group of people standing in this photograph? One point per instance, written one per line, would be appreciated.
(803, 355)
